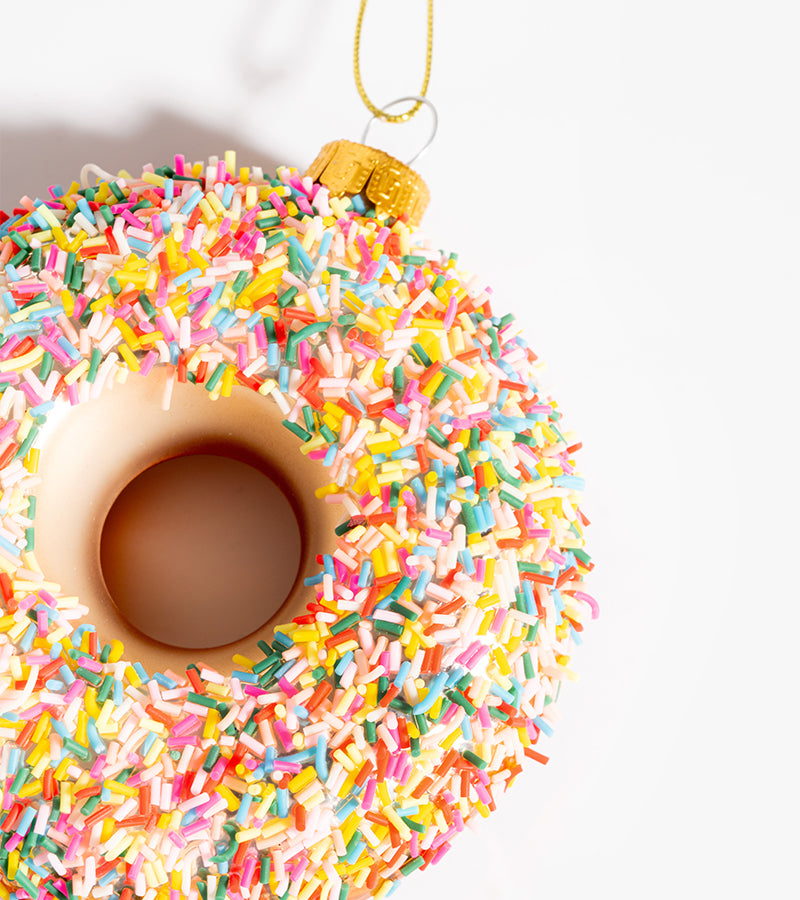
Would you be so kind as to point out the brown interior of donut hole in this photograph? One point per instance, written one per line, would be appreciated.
(187, 533)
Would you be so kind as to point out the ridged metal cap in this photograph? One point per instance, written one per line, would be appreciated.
(390, 186)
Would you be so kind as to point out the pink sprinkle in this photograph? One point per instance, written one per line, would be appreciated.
(303, 357)
(499, 618)
(261, 336)
(369, 352)
(276, 201)
(289, 689)
(148, 362)
(369, 794)
(8, 429)
(52, 347)
(10, 345)
(450, 314)
(579, 595)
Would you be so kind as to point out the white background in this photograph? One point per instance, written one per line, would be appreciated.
(625, 174)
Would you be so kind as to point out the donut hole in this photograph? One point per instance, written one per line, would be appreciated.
(92, 452)
(200, 550)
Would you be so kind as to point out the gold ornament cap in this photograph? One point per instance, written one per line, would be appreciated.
(394, 189)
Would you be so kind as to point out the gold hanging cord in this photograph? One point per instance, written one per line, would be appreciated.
(376, 111)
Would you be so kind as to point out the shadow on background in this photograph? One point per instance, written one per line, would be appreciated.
(31, 159)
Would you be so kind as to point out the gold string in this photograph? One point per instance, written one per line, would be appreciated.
(376, 111)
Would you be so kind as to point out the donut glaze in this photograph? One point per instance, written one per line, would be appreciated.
(416, 662)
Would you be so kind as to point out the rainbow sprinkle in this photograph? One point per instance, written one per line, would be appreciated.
(389, 714)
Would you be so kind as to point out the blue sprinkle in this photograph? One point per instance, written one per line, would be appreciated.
(49, 312)
(343, 663)
(540, 723)
(435, 689)
(186, 276)
(283, 803)
(402, 673)
(26, 820)
(321, 759)
(42, 409)
(570, 481)
(365, 575)
(8, 546)
(139, 245)
(356, 401)
(501, 693)
(195, 197)
(347, 806)
(305, 260)
(421, 586)
(27, 639)
(466, 560)
(95, 740)
(71, 351)
(244, 808)
(530, 602)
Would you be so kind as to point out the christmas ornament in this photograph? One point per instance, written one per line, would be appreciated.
(417, 667)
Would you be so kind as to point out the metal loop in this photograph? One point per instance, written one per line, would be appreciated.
(98, 172)
(410, 99)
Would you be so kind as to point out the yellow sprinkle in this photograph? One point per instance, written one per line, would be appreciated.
(152, 178)
(133, 676)
(22, 362)
(127, 355)
(247, 834)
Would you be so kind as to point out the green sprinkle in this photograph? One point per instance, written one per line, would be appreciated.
(211, 757)
(475, 759)
(46, 367)
(413, 865)
(201, 700)
(436, 436)
(94, 365)
(296, 429)
(345, 623)
(391, 627)
(461, 700)
(215, 377)
(94, 678)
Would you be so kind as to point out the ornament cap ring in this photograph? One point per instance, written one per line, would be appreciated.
(412, 98)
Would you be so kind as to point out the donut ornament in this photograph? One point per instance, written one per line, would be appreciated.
(389, 688)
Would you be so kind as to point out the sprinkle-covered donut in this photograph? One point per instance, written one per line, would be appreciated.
(425, 661)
